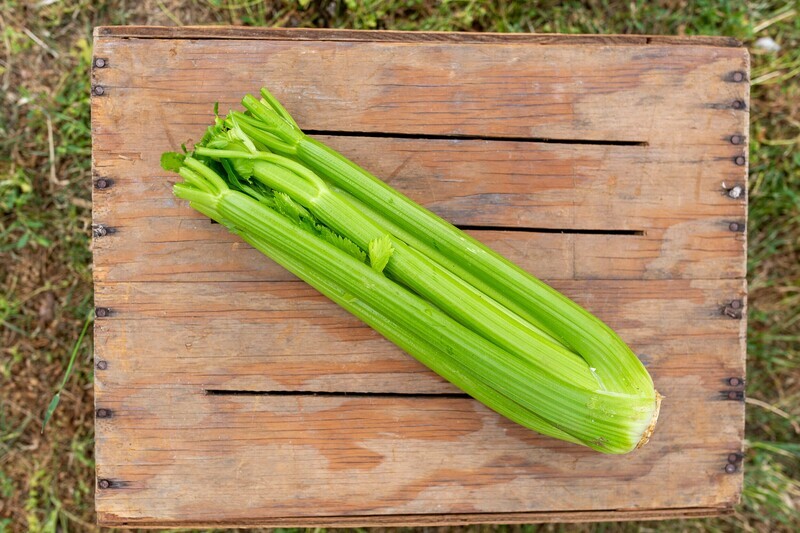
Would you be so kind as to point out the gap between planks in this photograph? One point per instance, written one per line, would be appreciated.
(523, 229)
(340, 394)
(462, 137)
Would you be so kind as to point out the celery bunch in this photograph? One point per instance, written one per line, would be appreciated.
(499, 334)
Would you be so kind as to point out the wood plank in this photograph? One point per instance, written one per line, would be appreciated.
(172, 452)
(660, 94)
(483, 183)
(320, 34)
(478, 183)
(420, 520)
(190, 246)
(284, 336)
(504, 133)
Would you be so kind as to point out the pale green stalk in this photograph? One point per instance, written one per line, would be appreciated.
(607, 421)
(424, 276)
(615, 364)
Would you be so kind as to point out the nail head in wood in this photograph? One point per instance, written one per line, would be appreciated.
(102, 312)
(102, 365)
(99, 90)
(735, 395)
(103, 413)
(735, 192)
(735, 457)
(733, 226)
(102, 183)
(99, 230)
(740, 160)
(735, 382)
(730, 468)
(103, 483)
(733, 309)
(100, 62)
(732, 313)
(738, 104)
(738, 76)
(736, 139)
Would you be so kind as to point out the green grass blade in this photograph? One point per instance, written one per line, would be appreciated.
(51, 407)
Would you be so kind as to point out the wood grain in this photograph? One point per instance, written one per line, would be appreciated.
(616, 93)
(217, 331)
(502, 133)
(192, 246)
(423, 520)
(320, 34)
(269, 456)
(471, 183)
(495, 183)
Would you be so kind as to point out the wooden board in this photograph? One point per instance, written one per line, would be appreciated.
(230, 393)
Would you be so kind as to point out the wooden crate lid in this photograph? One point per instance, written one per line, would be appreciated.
(230, 393)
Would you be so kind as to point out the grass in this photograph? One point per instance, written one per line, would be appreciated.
(46, 481)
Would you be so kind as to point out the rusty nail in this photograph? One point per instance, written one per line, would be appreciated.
(103, 413)
(99, 62)
(735, 395)
(99, 230)
(102, 365)
(103, 483)
(730, 468)
(102, 183)
(739, 160)
(98, 90)
(101, 312)
(738, 76)
(736, 139)
(735, 382)
(735, 457)
(733, 226)
(735, 191)
(730, 312)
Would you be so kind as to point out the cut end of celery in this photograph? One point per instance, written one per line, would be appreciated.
(648, 432)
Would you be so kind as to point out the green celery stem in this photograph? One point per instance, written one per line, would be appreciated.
(607, 426)
(434, 358)
(599, 346)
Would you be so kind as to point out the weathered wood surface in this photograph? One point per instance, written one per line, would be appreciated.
(208, 252)
(472, 183)
(319, 34)
(428, 520)
(262, 456)
(614, 93)
(315, 346)
(627, 142)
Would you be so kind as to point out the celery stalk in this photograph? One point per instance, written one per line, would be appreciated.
(614, 363)
(607, 421)
(493, 330)
(434, 358)
(424, 276)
